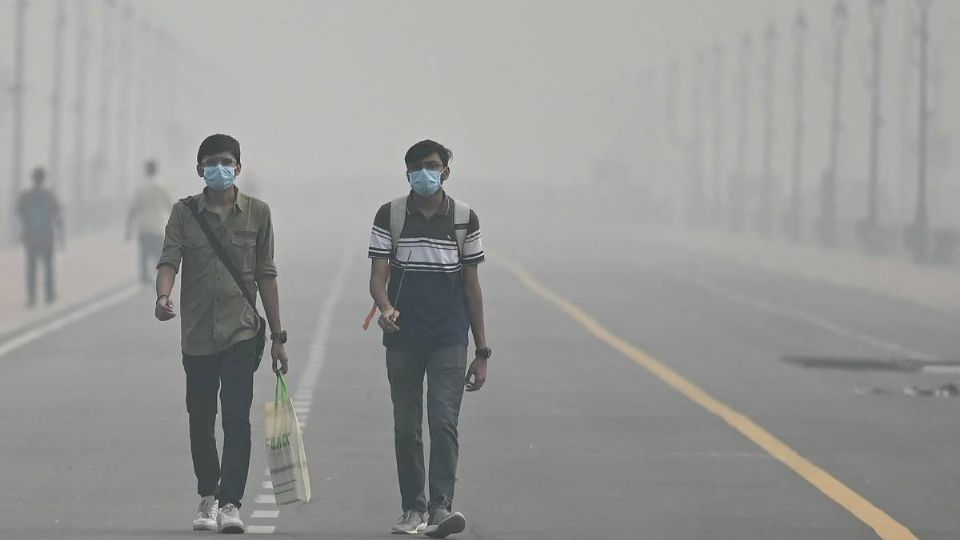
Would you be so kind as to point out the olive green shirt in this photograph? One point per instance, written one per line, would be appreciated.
(214, 315)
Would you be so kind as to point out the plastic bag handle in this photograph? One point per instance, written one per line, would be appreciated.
(280, 394)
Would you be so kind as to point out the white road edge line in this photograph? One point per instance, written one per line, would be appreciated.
(34, 334)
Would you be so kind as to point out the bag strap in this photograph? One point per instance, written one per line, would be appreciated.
(220, 251)
(280, 393)
(461, 222)
(398, 216)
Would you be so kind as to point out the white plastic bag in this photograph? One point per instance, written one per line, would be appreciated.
(285, 454)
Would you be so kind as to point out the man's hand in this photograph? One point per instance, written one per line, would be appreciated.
(279, 354)
(477, 374)
(164, 310)
(388, 320)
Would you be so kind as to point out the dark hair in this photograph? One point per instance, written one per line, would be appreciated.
(38, 175)
(424, 149)
(150, 166)
(218, 143)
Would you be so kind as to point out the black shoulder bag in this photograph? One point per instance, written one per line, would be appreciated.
(232, 268)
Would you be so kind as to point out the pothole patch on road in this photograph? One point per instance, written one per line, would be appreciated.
(894, 365)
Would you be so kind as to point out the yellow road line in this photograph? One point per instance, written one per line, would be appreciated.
(884, 525)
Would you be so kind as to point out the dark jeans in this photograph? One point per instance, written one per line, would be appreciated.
(42, 255)
(151, 246)
(230, 372)
(445, 368)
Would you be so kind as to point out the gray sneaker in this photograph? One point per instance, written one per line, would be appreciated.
(411, 522)
(443, 523)
(206, 519)
(229, 520)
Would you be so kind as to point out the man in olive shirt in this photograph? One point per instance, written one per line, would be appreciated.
(218, 326)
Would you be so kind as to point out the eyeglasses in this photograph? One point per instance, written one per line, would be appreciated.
(214, 161)
(429, 165)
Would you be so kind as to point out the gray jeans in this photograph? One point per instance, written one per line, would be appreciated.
(445, 368)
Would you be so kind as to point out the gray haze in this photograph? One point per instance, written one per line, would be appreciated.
(708, 319)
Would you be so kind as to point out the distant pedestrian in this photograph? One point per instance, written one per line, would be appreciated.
(148, 213)
(224, 240)
(427, 247)
(42, 225)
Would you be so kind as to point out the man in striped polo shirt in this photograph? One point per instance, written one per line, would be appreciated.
(425, 250)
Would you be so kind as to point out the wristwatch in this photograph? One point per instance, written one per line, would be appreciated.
(279, 336)
(484, 352)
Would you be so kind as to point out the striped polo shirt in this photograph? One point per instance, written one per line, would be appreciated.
(432, 302)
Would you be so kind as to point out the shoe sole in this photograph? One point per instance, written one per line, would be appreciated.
(205, 526)
(419, 530)
(455, 523)
(233, 529)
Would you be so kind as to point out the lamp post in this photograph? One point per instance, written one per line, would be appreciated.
(56, 95)
(717, 132)
(16, 148)
(828, 217)
(768, 187)
(80, 122)
(743, 132)
(795, 213)
(870, 234)
(921, 223)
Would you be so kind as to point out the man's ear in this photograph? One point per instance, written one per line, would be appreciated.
(445, 175)
(237, 170)
(200, 170)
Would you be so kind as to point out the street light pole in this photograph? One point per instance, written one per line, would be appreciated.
(717, 132)
(795, 215)
(19, 65)
(870, 232)
(56, 96)
(828, 217)
(106, 79)
(766, 196)
(739, 177)
(921, 220)
(123, 104)
(80, 122)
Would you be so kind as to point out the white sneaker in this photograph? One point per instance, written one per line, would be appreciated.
(229, 520)
(206, 519)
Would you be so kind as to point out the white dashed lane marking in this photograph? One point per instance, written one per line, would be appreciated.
(268, 511)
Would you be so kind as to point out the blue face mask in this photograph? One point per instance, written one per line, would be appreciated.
(219, 178)
(424, 182)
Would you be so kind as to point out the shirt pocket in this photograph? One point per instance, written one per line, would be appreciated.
(197, 254)
(243, 251)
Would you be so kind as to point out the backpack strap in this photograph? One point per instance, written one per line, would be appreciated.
(398, 216)
(461, 222)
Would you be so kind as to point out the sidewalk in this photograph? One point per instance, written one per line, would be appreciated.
(929, 286)
(90, 266)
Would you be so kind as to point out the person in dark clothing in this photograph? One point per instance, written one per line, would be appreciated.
(41, 225)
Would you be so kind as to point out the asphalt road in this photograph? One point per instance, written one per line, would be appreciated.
(571, 438)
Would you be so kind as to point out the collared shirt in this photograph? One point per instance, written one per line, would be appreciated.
(214, 315)
(150, 208)
(432, 302)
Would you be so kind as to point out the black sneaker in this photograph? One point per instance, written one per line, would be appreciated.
(443, 523)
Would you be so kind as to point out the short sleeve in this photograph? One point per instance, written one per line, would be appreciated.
(473, 243)
(381, 242)
(266, 267)
(173, 239)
